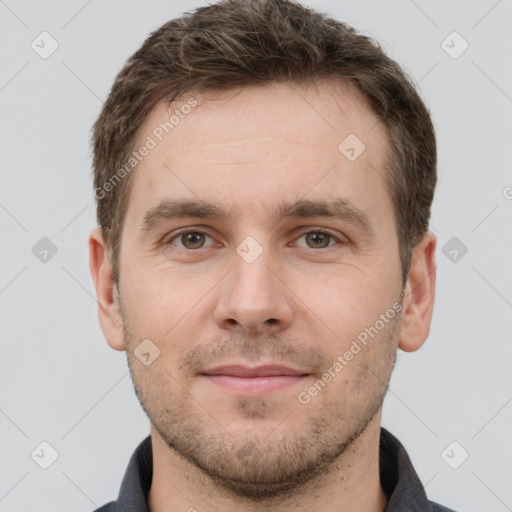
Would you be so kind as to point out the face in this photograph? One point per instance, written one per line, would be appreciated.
(275, 252)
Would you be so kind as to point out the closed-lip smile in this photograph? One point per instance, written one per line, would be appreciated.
(254, 381)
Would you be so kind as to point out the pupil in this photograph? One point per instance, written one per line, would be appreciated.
(193, 239)
(319, 238)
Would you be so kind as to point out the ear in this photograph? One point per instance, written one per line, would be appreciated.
(419, 294)
(106, 291)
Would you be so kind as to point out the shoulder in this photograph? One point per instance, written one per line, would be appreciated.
(439, 508)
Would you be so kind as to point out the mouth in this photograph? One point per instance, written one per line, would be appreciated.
(257, 381)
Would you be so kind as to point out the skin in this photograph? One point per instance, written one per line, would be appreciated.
(249, 150)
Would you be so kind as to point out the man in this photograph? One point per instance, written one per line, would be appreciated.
(264, 177)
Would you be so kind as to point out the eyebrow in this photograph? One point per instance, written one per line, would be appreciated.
(340, 209)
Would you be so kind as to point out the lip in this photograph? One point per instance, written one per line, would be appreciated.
(260, 380)
(237, 370)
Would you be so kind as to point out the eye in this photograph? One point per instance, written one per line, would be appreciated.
(193, 239)
(319, 239)
(189, 240)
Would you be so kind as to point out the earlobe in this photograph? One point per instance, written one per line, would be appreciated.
(109, 311)
(419, 295)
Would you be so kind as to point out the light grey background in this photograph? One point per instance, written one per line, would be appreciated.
(60, 381)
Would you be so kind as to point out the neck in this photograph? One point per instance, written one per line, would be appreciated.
(353, 484)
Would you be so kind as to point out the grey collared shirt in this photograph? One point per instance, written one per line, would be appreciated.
(398, 479)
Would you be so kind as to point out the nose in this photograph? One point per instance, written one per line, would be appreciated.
(253, 299)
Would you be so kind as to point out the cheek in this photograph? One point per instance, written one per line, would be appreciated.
(147, 313)
(348, 301)
(166, 308)
(156, 295)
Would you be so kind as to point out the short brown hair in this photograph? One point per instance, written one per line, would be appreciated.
(236, 43)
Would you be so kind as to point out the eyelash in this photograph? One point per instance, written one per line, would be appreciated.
(322, 231)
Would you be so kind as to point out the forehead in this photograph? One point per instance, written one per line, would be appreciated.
(279, 110)
(251, 145)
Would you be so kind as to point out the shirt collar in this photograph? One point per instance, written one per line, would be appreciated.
(399, 480)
